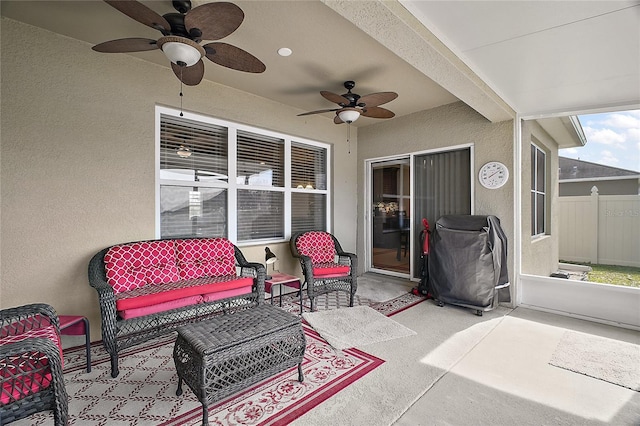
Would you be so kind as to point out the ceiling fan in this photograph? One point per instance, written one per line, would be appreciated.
(352, 105)
(182, 33)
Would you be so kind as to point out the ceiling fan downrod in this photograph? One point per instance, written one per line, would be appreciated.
(182, 6)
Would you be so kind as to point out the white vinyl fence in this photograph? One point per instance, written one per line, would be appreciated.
(600, 229)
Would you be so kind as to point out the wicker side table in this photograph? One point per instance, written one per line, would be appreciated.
(225, 354)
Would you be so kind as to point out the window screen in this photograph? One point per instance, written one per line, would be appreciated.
(192, 211)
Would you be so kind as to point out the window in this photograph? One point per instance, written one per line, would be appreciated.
(538, 191)
(217, 178)
(309, 187)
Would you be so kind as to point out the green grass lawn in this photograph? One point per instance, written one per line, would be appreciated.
(618, 275)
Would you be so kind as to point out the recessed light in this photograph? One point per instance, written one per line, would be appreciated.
(284, 51)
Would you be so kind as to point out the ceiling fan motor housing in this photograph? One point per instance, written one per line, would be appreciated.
(352, 97)
(176, 21)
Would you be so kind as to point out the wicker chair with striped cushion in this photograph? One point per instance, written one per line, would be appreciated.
(326, 267)
(31, 364)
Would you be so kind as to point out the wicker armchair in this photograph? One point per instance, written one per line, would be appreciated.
(31, 364)
(326, 267)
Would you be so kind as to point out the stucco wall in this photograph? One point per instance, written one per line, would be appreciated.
(77, 160)
(442, 127)
(539, 254)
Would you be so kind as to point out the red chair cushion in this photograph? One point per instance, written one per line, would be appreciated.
(317, 245)
(160, 307)
(34, 326)
(161, 293)
(330, 269)
(209, 257)
(17, 382)
(129, 266)
(17, 385)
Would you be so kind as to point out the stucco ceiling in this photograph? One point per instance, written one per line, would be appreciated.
(498, 57)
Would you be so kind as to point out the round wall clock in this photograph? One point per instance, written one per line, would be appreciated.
(493, 175)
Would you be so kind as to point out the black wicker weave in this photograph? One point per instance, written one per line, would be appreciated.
(118, 333)
(226, 354)
(41, 356)
(321, 285)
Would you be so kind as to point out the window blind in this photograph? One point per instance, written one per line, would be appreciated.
(192, 150)
(260, 215)
(260, 160)
(308, 212)
(442, 184)
(308, 166)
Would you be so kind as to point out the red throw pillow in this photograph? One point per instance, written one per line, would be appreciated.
(129, 266)
(206, 257)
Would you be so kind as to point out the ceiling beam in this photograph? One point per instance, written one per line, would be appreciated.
(393, 26)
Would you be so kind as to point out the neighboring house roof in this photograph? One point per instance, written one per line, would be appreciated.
(571, 169)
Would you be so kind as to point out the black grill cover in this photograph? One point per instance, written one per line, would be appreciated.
(468, 261)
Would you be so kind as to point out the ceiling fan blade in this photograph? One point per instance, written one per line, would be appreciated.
(233, 57)
(191, 76)
(336, 99)
(214, 20)
(125, 45)
(375, 99)
(320, 111)
(377, 112)
(142, 14)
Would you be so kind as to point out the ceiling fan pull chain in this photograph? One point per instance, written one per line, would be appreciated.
(181, 96)
(349, 136)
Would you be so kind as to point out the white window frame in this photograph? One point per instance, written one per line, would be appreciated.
(231, 186)
(534, 204)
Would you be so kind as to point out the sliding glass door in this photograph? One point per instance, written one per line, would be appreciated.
(391, 215)
(441, 185)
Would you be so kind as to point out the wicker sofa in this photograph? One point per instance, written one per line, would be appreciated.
(150, 288)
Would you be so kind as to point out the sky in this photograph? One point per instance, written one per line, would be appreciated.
(613, 139)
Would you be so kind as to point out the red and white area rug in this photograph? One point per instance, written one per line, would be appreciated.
(144, 392)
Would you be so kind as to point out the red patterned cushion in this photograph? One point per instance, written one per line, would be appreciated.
(207, 257)
(318, 246)
(17, 385)
(330, 269)
(129, 266)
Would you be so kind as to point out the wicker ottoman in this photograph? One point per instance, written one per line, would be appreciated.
(225, 354)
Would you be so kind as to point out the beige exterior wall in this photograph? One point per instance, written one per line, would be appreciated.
(540, 254)
(439, 128)
(77, 160)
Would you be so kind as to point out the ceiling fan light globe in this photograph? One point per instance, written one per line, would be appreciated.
(180, 50)
(349, 115)
(183, 152)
